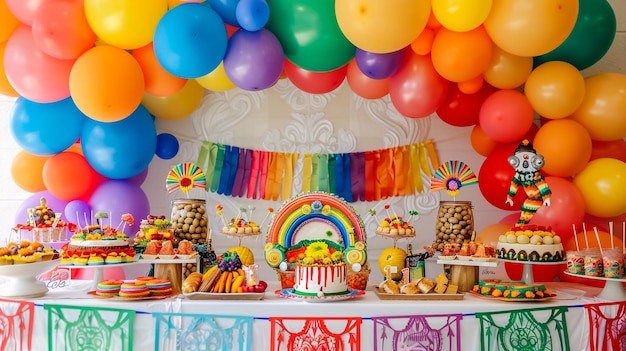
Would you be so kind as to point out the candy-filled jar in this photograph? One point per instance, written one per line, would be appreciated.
(189, 220)
(455, 223)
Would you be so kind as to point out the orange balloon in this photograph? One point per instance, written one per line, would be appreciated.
(555, 89)
(565, 146)
(531, 27)
(424, 42)
(461, 56)
(602, 109)
(605, 240)
(507, 71)
(159, 81)
(26, 171)
(481, 142)
(106, 83)
(364, 86)
(491, 233)
(68, 176)
(471, 86)
(5, 86)
(8, 22)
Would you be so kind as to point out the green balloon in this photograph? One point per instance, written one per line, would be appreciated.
(309, 34)
(590, 39)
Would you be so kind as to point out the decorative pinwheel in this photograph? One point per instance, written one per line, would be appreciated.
(451, 176)
(185, 176)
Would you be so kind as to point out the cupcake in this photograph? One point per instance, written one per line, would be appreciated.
(113, 258)
(95, 260)
(26, 255)
(5, 256)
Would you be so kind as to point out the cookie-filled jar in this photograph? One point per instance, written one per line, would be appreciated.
(189, 220)
(455, 223)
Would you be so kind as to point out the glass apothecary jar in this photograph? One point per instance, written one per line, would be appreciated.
(189, 220)
(455, 223)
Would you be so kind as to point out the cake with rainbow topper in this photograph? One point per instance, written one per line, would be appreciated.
(316, 222)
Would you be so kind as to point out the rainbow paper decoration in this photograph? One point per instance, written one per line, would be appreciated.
(451, 176)
(185, 176)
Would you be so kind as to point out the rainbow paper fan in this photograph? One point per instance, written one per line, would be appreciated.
(184, 177)
(451, 176)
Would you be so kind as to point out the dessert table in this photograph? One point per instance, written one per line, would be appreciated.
(366, 308)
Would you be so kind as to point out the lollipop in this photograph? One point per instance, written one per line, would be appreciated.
(184, 177)
(451, 176)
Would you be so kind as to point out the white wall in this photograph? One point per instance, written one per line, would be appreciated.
(280, 119)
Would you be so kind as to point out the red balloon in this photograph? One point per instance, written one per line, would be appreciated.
(541, 273)
(567, 207)
(506, 115)
(68, 176)
(364, 86)
(460, 109)
(417, 90)
(494, 179)
(315, 82)
(608, 149)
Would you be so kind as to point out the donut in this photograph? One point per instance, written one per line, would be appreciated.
(110, 287)
(144, 279)
(134, 289)
(159, 287)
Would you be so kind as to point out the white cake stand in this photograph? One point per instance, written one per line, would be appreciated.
(21, 279)
(613, 288)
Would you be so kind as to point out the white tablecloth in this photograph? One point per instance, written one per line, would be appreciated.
(572, 295)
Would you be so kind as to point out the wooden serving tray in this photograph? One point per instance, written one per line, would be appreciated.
(416, 297)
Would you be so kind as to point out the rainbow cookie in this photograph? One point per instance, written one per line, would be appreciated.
(109, 287)
(144, 279)
(159, 287)
(134, 289)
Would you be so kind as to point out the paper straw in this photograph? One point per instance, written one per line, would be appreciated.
(585, 232)
(575, 237)
(595, 230)
(611, 232)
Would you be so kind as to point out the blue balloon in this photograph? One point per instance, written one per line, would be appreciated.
(190, 40)
(226, 9)
(379, 66)
(34, 200)
(121, 149)
(254, 60)
(118, 197)
(46, 129)
(252, 14)
(167, 146)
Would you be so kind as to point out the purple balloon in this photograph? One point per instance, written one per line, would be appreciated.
(76, 211)
(379, 66)
(254, 60)
(118, 197)
(139, 178)
(34, 200)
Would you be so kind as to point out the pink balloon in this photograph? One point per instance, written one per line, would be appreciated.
(506, 115)
(60, 29)
(25, 10)
(417, 90)
(33, 74)
(567, 207)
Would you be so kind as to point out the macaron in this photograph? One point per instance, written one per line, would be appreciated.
(110, 287)
(134, 289)
(159, 287)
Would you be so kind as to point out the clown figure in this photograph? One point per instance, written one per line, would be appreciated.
(527, 165)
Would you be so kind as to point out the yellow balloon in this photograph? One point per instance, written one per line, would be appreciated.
(601, 184)
(382, 26)
(217, 80)
(461, 15)
(127, 24)
(176, 106)
(602, 109)
(555, 89)
(5, 86)
(507, 71)
(531, 27)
